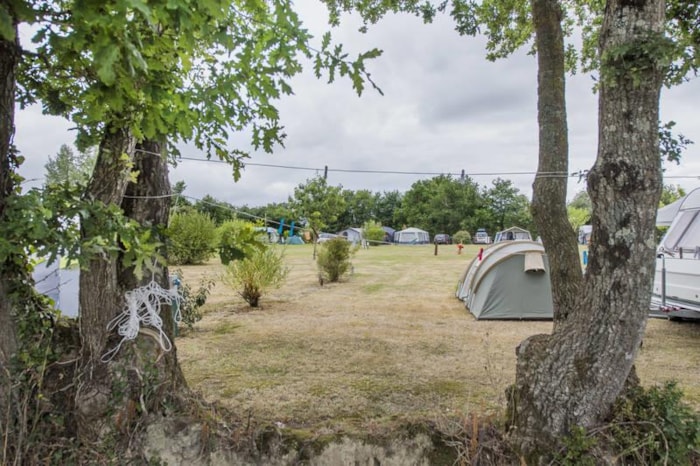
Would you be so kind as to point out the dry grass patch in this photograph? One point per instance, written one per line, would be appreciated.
(390, 344)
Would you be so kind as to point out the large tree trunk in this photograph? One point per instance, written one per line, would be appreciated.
(100, 295)
(143, 371)
(572, 377)
(549, 188)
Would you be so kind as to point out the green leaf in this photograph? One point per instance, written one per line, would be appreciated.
(105, 58)
(142, 7)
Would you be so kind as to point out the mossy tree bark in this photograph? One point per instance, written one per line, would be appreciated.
(572, 377)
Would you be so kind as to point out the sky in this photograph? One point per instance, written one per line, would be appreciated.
(445, 109)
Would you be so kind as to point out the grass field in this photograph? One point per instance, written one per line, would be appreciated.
(389, 345)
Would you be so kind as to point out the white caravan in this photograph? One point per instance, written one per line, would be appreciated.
(676, 292)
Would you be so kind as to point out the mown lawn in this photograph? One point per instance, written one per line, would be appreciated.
(389, 345)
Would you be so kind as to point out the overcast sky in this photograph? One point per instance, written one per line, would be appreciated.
(445, 109)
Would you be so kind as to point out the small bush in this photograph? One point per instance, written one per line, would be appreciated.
(577, 449)
(647, 426)
(191, 302)
(191, 238)
(374, 233)
(462, 236)
(334, 259)
(237, 239)
(655, 426)
(262, 270)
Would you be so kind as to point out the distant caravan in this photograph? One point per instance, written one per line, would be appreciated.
(676, 292)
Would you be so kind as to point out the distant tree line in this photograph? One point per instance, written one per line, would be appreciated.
(442, 204)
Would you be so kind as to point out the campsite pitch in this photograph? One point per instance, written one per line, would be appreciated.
(389, 345)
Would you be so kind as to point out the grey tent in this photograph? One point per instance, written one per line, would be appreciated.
(509, 281)
(388, 234)
(354, 235)
(412, 236)
(584, 234)
(512, 234)
(268, 234)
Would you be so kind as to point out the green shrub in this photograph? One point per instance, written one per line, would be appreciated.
(655, 426)
(237, 239)
(374, 233)
(334, 259)
(191, 238)
(647, 427)
(462, 236)
(191, 302)
(577, 449)
(262, 270)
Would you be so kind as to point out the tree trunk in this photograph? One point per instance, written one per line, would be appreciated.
(10, 273)
(549, 188)
(141, 375)
(572, 377)
(100, 295)
(148, 202)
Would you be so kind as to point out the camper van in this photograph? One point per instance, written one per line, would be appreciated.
(676, 292)
(481, 237)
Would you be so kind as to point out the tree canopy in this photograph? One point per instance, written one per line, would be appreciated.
(69, 167)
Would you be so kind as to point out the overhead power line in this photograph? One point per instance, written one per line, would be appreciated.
(581, 174)
(326, 169)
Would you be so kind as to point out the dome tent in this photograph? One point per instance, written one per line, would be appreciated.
(511, 281)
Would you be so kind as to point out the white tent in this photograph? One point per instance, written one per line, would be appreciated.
(412, 236)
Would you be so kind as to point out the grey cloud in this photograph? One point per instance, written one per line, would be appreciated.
(445, 108)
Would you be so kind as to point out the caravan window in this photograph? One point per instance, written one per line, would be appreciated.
(691, 237)
(683, 233)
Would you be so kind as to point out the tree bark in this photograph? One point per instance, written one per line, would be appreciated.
(148, 202)
(11, 274)
(141, 375)
(549, 188)
(572, 377)
(100, 296)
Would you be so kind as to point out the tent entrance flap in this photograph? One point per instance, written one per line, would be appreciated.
(534, 262)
